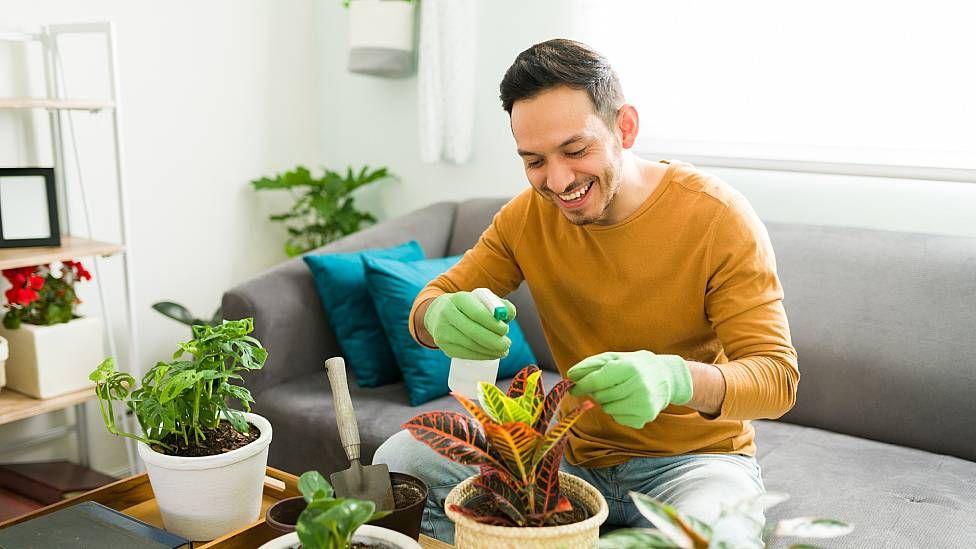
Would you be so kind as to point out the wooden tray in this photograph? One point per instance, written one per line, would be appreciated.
(134, 497)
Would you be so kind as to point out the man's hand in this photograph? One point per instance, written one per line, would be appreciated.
(633, 387)
(463, 328)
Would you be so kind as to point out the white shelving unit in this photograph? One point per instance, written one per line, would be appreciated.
(13, 406)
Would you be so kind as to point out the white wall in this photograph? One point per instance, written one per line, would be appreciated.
(370, 120)
(214, 94)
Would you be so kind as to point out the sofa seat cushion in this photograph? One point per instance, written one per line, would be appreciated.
(301, 413)
(895, 496)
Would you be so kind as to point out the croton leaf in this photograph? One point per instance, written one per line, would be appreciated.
(551, 404)
(472, 408)
(516, 442)
(558, 431)
(454, 436)
(531, 399)
(500, 407)
(494, 520)
(547, 480)
(517, 387)
(509, 498)
(670, 522)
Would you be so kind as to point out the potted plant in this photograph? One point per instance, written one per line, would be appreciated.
(206, 461)
(381, 37)
(675, 530)
(327, 522)
(519, 497)
(325, 210)
(48, 341)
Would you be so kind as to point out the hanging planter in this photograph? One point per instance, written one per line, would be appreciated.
(381, 37)
(50, 346)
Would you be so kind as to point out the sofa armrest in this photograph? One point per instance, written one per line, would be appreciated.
(288, 316)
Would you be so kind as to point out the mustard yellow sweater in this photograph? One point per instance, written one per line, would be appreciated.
(690, 273)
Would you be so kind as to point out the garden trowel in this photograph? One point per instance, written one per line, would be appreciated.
(366, 482)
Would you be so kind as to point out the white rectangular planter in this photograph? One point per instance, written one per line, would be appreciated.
(47, 361)
(3, 360)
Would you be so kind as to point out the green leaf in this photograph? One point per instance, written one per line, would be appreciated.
(177, 384)
(103, 371)
(665, 518)
(812, 527)
(175, 311)
(635, 539)
(313, 486)
(500, 407)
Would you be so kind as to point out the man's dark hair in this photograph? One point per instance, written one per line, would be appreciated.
(561, 62)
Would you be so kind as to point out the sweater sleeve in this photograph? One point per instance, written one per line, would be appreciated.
(744, 304)
(489, 264)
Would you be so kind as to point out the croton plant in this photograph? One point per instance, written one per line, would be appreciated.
(512, 439)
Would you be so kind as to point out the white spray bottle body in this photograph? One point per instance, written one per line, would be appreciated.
(466, 373)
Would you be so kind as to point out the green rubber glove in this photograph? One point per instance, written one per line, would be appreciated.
(464, 328)
(633, 387)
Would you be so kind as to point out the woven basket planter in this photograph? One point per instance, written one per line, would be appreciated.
(471, 534)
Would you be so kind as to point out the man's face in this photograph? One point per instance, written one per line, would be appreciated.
(571, 157)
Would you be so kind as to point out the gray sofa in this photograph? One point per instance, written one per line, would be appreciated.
(883, 433)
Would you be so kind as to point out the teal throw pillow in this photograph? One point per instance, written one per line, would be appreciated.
(393, 286)
(340, 280)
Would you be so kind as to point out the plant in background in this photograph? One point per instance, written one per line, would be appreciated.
(37, 296)
(186, 397)
(183, 315)
(509, 437)
(735, 527)
(329, 522)
(324, 208)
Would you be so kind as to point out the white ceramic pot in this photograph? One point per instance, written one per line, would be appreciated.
(3, 360)
(381, 37)
(471, 534)
(47, 361)
(364, 534)
(202, 498)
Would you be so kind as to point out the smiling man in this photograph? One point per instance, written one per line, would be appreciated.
(657, 290)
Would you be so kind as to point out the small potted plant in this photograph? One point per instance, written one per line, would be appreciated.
(735, 527)
(324, 208)
(327, 522)
(519, 498)
(47, 339)
(206, 461)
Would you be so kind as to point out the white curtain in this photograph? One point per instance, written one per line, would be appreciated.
(445, 79)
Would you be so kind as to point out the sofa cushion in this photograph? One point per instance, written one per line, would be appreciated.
(393, 286)
(302, 414)
(894, 496)
(340, 280)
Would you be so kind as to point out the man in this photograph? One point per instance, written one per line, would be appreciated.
(657, 290)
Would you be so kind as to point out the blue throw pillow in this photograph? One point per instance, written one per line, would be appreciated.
(340, 280)
(393, 286)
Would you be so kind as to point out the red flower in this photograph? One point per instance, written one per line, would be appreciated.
(36, 282)
(80, 272)
(21, 296)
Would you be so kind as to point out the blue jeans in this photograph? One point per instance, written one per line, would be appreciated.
(695, 484)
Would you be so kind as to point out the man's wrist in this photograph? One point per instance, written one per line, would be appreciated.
(708, 388)
(420, 327)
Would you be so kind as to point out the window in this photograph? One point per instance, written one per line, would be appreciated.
(866, 82)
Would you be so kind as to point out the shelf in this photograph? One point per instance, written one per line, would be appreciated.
(55, 104)
(72, 247)
(15, 406)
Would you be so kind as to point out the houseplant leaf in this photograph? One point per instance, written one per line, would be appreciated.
(636, 538)
(551, 404)
(454, 436)
(516, 443)
(669, 521)
(559, 431)
(313, 485)
(812, 527)
(517, 387)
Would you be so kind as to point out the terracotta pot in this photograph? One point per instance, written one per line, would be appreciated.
(471, 534)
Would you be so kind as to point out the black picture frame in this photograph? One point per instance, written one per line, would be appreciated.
(52, 209)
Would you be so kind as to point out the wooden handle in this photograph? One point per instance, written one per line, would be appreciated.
(345, 415)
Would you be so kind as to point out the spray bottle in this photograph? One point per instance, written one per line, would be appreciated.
(465, 373)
